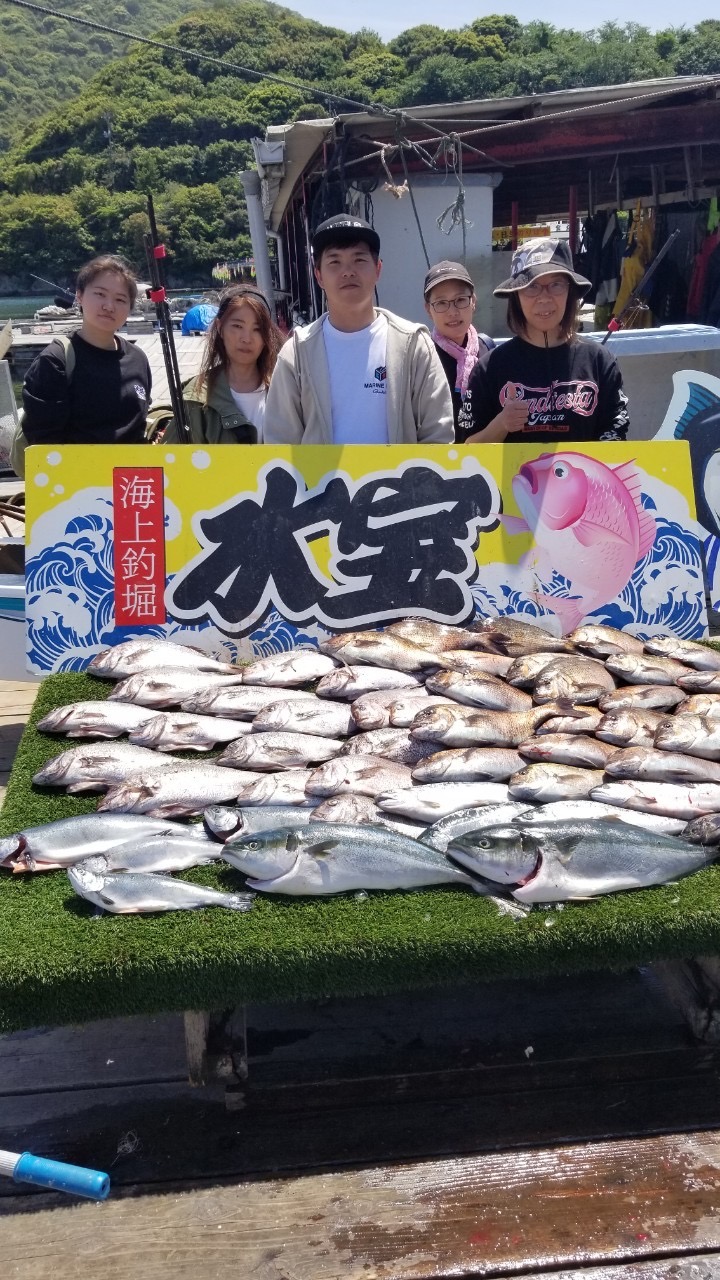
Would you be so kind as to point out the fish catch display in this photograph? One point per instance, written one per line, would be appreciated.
(497, 758)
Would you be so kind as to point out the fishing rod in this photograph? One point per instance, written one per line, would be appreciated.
(66, 298)
(635, 301)
(155, 252)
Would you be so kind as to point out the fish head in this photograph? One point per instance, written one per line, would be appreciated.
(552, 490)
(678, 732)
(264, 855)
(222, 823)
(11, 847)
(85, 878)
(435, 718)
(505, 855)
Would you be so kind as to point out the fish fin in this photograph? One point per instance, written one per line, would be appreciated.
(106, 899)
(320, 849)
(588, 533)
(627, 473)
(566, 707)
(569, 609)
(514, 524)
(699, 399)
(240, 901)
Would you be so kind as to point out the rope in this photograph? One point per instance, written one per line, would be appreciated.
(456, 210)
(412, 201)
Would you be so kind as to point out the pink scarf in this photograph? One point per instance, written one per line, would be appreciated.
(466, 356)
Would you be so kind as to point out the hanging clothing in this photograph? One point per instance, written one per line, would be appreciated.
(637, 259)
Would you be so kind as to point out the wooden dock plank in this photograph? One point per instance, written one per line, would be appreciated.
(492, 1215)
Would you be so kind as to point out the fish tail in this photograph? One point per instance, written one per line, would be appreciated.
(240, 901)
(569, 609)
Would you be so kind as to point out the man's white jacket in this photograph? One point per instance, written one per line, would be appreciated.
(419, 404)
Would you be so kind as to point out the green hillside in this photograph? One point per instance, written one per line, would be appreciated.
(73, 182)
(45, 61)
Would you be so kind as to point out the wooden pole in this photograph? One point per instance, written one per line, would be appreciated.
(572, 220)
(515, 219)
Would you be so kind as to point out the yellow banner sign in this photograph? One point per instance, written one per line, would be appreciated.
(245, 550)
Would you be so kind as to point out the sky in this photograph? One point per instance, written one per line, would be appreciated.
(389, 17)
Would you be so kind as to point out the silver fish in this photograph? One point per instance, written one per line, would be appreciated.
(705, 830)
(134, 657)
(584, 720)
(327, 858)
(443, 832)
(270, 751)
(96, 766)
(403, 712)
(358, 775)
(288, 670)
(353, 809)
(61, 843)
(700, 682)
(469, 764)
(477, 662)
(661, 766)
(694, 735)
(567, 748)
(317, 716)
(699, 704)
(381, 649)
(179, 790)
(540, 783)
(372, 710)
(516, 638)
(437, 800)
(645, 668)
(573, 811)
(584, 680)
(434, 636)
(393, 744)
(137, 893)
(479, 691)
(168, 689)
(524, 671)
(602, 641)
(689, 800)
(350, 683)
(463, 727)
(237, 702)
(576, 866)
(95, 719)
(159, 853)
(223, 823)
(181, 731)
(701, 656)
(286, 787)
(644, 697)
(629, 728)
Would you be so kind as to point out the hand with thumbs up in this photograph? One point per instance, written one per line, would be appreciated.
(511, 419)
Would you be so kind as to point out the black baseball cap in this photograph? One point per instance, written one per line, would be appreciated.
(447, 271)
(344, 229)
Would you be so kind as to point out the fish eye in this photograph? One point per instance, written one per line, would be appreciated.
(561, 470)
(484, 844)
(254, 845)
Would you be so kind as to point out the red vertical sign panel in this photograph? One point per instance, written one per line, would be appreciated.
(139, 552)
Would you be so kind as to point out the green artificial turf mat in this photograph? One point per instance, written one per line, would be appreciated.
(59, 964)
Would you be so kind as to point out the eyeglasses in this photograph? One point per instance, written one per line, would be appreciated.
(556, 288)
(460, 304)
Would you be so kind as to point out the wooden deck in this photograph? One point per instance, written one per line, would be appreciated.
(565, 1128)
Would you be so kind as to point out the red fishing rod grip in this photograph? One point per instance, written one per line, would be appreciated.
(613, 324)
(159, 251)
(157, 295)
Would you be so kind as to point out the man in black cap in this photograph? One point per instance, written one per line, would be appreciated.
(359, 374)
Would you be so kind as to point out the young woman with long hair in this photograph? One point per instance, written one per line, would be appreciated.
(225, 403)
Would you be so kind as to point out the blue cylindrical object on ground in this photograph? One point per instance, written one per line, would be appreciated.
(62, 1177)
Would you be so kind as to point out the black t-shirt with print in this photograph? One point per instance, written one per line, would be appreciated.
(104, 402)
(574, 392)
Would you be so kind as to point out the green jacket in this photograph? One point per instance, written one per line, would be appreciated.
(213, 417)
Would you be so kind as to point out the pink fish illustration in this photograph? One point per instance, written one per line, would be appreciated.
(589, 525)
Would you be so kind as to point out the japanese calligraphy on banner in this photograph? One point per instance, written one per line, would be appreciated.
(265, 547)
(139, 543)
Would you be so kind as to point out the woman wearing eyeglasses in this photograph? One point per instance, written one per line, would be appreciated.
(546, 384)
(450, 303)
